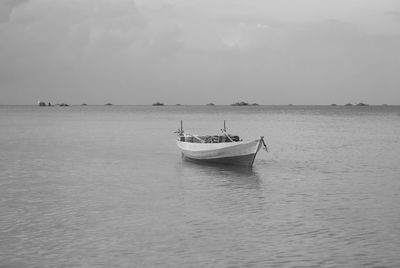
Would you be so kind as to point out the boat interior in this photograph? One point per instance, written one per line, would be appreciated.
(224, 137)
(209, 138)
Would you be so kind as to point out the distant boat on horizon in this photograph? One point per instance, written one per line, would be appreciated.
(108, 104)
(362, 104)
(158, 104)
(242, 103)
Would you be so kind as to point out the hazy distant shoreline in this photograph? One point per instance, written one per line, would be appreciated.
(210, 106)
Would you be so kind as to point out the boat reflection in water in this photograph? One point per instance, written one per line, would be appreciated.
(219, 175)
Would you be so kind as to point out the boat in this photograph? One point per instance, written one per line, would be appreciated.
(158, 104)
(224, 149)
(362, 104)
(242, 103)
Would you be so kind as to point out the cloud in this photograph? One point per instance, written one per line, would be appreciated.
(123, 52)
(6, 8)
(81, 44)
(394, 14)
(68, 31)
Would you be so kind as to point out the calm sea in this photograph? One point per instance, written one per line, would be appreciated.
(105, 186)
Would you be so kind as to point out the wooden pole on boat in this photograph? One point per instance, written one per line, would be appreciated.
(181, 126)
(225, 133)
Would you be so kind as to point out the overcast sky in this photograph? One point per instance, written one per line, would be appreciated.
(200, 51)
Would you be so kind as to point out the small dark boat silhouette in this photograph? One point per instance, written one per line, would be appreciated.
(361, 104)
(242, 103)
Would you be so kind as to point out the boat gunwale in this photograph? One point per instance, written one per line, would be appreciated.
(197, 146)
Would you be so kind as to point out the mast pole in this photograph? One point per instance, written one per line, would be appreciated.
(224, 126)
(181, 126)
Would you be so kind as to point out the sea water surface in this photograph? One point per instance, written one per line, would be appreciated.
(105, 186)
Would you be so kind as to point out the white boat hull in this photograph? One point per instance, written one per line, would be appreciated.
(240, 153)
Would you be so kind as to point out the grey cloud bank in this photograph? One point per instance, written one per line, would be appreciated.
(196, 52)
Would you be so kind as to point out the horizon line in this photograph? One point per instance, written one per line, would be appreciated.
(188, 104)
